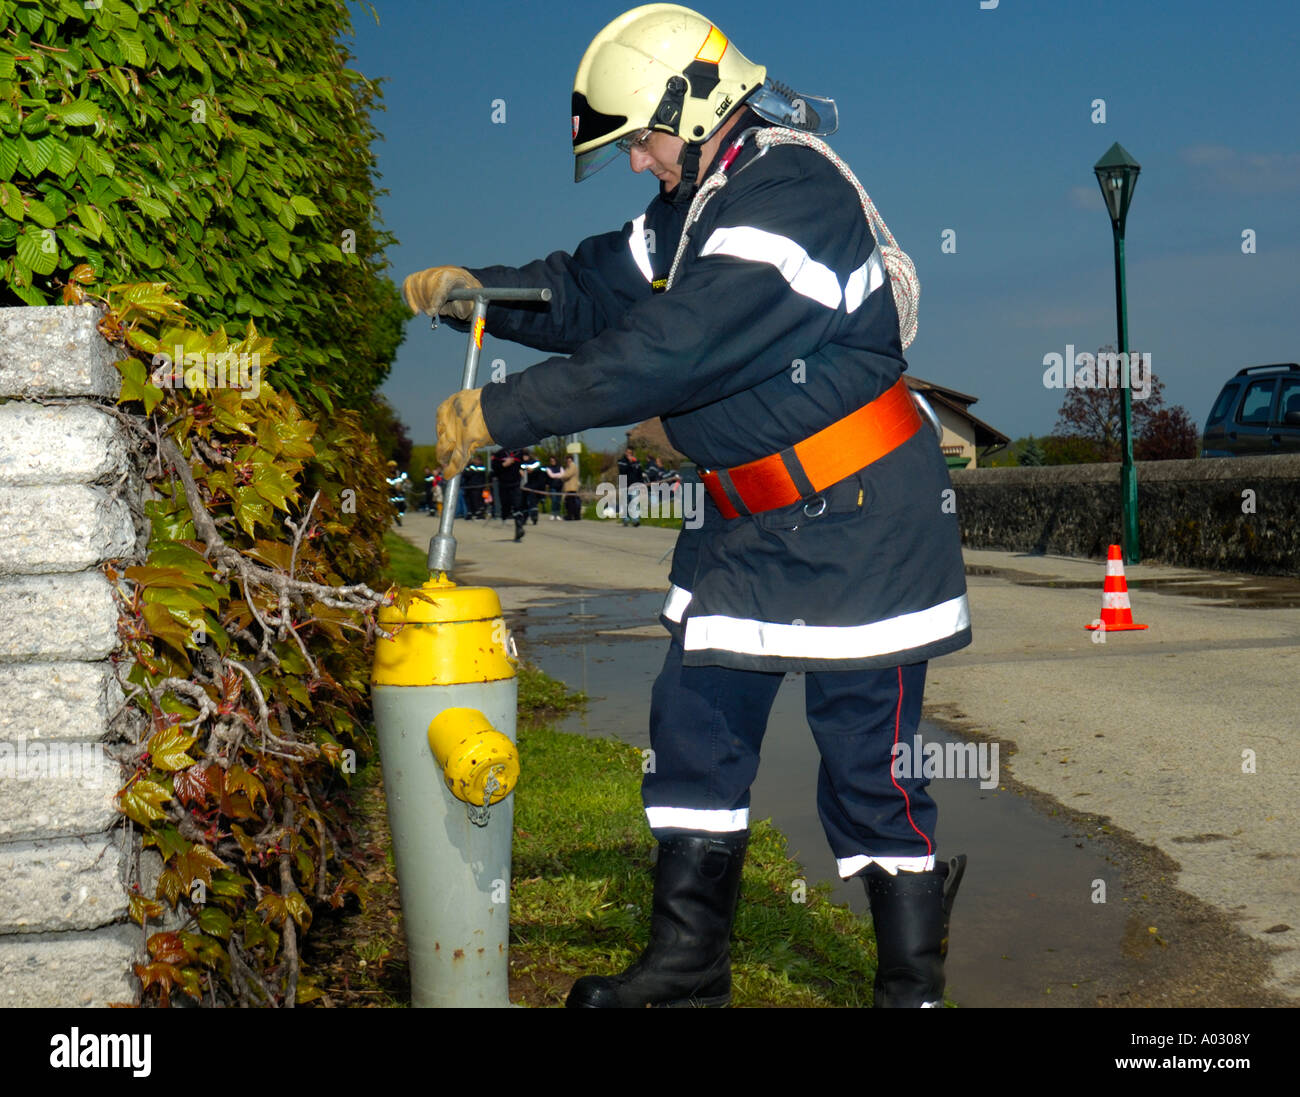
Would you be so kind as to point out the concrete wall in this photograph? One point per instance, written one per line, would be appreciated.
(1232, 514)
(65, 490)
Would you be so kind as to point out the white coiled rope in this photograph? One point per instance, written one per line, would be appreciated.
(898, 264)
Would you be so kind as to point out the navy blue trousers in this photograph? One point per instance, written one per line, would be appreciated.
(706, 728)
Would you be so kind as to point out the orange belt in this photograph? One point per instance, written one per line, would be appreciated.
(813, 465)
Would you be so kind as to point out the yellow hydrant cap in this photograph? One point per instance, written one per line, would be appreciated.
(451, 635)
(450, 603)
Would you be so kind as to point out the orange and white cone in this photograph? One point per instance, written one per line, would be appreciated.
(1116, 613)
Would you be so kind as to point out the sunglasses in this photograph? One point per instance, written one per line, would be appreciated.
(627, 144)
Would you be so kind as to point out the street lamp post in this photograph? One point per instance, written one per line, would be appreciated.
(1117, 173)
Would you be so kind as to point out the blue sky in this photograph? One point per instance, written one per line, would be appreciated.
(953, 117)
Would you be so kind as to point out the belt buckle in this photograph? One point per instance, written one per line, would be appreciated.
(819, 511)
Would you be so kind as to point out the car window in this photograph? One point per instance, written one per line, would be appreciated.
(1289, 398)
(1256, 402)
(1223, 404)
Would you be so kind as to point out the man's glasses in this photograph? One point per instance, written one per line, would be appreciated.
(627, 144)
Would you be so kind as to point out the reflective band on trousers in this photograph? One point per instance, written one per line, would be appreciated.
(721, 821)
(849, 866)
(746, 636)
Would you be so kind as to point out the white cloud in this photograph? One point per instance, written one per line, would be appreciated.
(1088, 198)
(1225, 168)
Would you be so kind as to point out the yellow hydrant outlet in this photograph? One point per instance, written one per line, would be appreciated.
(472, 752)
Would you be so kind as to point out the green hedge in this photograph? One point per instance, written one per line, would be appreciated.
(222, 147)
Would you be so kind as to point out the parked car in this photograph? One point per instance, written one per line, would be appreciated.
(1258, 411)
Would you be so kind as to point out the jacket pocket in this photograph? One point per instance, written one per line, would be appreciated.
(838, 503)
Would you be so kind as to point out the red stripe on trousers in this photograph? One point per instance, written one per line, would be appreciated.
(898, 715)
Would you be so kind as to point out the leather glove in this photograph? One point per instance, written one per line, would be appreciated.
(426, 291)
(461, 430)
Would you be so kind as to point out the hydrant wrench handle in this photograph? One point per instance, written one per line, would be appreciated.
(442, 548)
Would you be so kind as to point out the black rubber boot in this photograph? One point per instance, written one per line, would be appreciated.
(688, 960)
(910, 912)
(520, 518)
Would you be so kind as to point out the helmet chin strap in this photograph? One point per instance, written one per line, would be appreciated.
(669, 113)
(689, 159)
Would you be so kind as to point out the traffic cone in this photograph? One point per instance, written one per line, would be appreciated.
(1116, 613)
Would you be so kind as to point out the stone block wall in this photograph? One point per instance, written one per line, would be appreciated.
(1230, 514)
(65, 486)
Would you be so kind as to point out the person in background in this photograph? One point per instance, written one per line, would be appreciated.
(555, 475)
(473, 483)
(436, 494)
(536, 485)
(429, 481)
(398, 485)
(507, 465)
(569, 486)
(630, 469)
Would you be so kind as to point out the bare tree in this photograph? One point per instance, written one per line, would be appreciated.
(1089, 425)
(1169, 435)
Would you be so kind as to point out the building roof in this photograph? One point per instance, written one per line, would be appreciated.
(919, 384)
(987, 438)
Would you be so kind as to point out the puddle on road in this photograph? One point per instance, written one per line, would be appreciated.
(1024, 920)
(1231, 590)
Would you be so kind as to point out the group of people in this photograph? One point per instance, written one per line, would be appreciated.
(523, 484)
(632, 472)
(524, 488)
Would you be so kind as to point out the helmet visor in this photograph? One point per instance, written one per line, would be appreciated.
(813, 114)
(586, 164)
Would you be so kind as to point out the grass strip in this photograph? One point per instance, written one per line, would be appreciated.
(408, 566)
(583, 881)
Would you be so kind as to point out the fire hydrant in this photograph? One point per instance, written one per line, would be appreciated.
(445, 696)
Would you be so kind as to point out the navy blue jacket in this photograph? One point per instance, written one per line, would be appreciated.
(780, 321)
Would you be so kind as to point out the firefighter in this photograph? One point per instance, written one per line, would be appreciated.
(631, 474)
(769, 342)
(536, 485)
(474, 487)
(507, 467)
(398, 486)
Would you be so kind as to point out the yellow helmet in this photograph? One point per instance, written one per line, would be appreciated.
(661, 67)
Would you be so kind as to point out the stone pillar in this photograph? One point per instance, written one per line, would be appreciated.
(65, 486)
